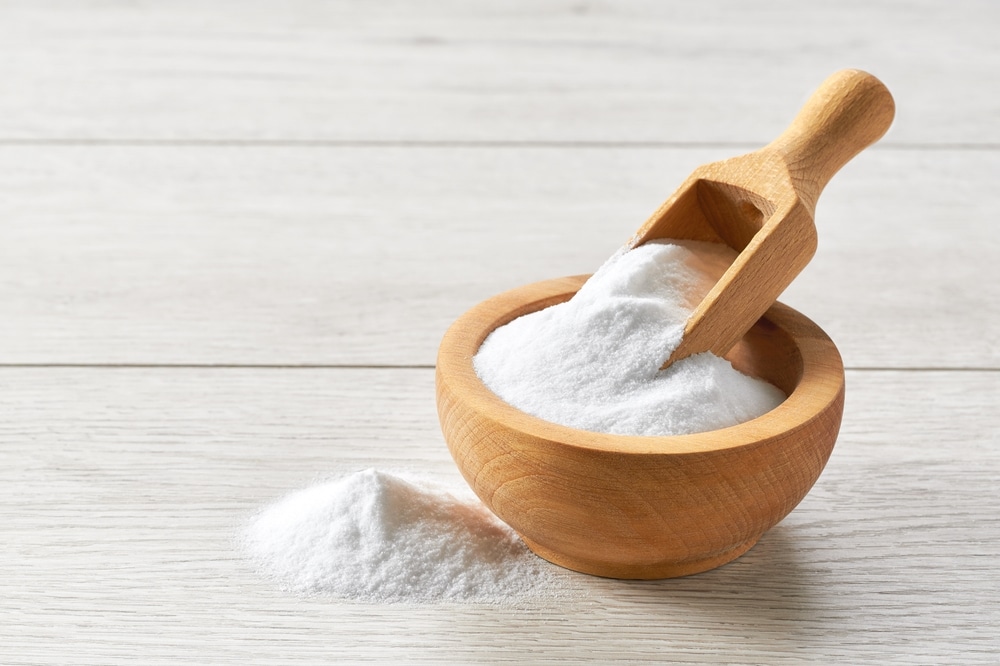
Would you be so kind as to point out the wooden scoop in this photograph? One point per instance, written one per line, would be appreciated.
(762, 205)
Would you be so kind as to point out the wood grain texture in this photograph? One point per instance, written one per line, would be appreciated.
(642, 507)
(333, 182)
(562, 70)
(365, 255)
(123, 489)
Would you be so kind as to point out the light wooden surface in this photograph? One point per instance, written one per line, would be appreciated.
(235, 188)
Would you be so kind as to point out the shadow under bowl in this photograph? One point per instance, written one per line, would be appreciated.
(636, 506)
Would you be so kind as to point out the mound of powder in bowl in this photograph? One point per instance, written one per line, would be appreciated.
(593, 362)
(377, 536)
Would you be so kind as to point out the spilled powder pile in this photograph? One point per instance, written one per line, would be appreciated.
(593, 362)
(375, 536)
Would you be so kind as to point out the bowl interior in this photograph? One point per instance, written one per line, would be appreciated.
(784, 348)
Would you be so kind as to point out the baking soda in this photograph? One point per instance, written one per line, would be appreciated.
(376, 536)
(593, 362)
(590, 363)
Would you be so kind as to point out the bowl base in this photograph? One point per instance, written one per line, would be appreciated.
(640, 571)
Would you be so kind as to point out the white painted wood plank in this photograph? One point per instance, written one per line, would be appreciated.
(365, 255)
(453, 70)
(122, 489)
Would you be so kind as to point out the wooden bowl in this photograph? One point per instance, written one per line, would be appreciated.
(634, 506)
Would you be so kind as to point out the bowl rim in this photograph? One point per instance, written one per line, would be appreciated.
(819, 388)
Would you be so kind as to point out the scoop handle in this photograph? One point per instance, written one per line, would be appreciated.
(850, 111)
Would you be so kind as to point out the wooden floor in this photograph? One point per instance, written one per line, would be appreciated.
(233, 233)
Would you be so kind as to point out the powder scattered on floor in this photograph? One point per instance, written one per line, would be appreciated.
(593, 362)
(376, 536)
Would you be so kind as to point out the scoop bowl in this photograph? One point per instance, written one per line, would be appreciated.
(642, 507)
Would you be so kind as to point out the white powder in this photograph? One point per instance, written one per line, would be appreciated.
(376, 536)
(593, 362)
